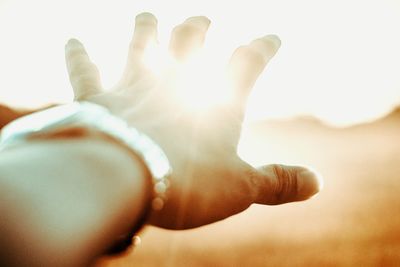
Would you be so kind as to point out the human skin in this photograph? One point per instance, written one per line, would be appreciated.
(8, 114)
(65, 202)
(209, 181)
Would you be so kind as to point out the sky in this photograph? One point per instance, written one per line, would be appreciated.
(339, 60)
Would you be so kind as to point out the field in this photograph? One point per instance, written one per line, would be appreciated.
(354, 221)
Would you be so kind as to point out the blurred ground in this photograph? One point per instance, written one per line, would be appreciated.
(354, 221)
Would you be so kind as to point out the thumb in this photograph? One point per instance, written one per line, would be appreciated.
(278, 184)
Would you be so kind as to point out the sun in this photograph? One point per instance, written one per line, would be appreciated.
(200, 82)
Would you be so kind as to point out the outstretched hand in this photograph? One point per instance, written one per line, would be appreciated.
(209, 181)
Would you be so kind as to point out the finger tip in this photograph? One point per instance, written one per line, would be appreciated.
(147, 17)
(310, 183)
(266, 46)
(274, 39)
(73, 42)
(200, 21)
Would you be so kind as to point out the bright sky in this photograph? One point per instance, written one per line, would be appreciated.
(339, 60)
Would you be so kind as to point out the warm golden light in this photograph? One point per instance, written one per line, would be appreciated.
(199, 82)
(201, 86)
(339, 62)
(157, 59)
(329, 68)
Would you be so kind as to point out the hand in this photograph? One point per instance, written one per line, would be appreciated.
(209, 182)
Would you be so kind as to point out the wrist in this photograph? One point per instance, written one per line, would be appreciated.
(66, 196)
(101, 147)
(80, 119)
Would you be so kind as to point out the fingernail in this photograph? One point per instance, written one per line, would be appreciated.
(274, 39)
(309, 183)
(146, 17)
(200, 21)
(73, 42)
(266, 46)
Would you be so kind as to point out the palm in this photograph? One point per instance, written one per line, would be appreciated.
(210, 182)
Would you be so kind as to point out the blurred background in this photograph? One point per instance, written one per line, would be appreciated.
(328, 100)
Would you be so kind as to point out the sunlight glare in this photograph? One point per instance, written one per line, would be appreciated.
(342, 81)
(200, 82)
(157, 59)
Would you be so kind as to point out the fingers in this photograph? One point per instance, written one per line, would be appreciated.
(144, 35)
(248, 61)
(83, 74)
(188, 37)
(278, 184)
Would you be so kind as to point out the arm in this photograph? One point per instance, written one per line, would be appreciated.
(8, 114)
(62, 202)
(57, 213)
(210, 182)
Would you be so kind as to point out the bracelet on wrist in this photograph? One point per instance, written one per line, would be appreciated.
(77, 119)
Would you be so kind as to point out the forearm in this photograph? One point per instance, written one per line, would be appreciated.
(63, 202)
(7, 114)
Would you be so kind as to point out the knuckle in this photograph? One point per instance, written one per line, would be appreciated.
(84, 69)
(286, 184)
(250, 56)
(256, 184)
(82, 80)
(76, 53)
